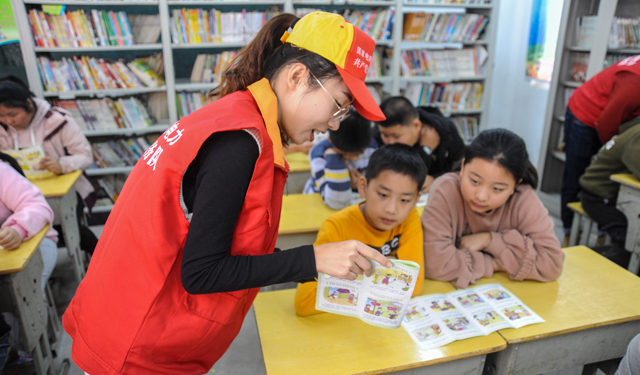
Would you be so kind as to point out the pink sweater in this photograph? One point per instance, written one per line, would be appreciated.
(22, 205)
(522, 238)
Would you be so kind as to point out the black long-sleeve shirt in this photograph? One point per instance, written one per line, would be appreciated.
(213, 188)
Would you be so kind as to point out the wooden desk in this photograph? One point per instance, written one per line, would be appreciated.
(20, 293)
(62, 198)
(592, 312)
(335, 344)
(629, 204)
(299, 173)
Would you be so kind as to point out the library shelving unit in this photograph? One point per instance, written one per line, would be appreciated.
(179, 57)
(552, 158)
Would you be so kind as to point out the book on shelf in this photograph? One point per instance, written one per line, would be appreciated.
(435, 320)
(448, 97)
(196, 26)
(29, 159)
(380, 299)
(613, 58)
(91, 28)
(375, 69)
(467, 127)
(209, 68)
(444, 63)
(189, 102)
(443, 27)
(109, 188)
(145, 28)
(578, 66)
(118, 153)
(88, 73)
(625, 33)
(461, 2)
(585, 31)
(376, 23)
(104, 114)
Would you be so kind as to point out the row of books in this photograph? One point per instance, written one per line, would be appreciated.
(377, 24)
(118, 153)
(446, 96)
(109, 188)
(443, 27)
(625, 33)
(103, 114)
(89, 73)
(90, 29)
(189, 102)
(375, 69)
(145, 28)
(578, 63)
(444, 63)
(209, 68)
(467, 127)
(195, 26)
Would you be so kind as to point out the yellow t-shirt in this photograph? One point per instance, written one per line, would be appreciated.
(404, 242)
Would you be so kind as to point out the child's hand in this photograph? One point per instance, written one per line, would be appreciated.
(10, 238)
(347, 259)
(354, 175)
(50, 164)
(476, 242)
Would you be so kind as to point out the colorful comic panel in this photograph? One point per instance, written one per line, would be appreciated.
(441, 305)
(487, 318)
(497, 294)
(428, 333)
(470, 300)
(457, 323)
(340, 296)
(384, 309)
(516, 312)
(392, 278)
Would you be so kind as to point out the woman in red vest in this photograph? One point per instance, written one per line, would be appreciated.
(191, 238)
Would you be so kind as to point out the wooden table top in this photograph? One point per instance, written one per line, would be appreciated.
(326, 343)
(298, 162)
(591, 292)
(12, 261)
(626, 179)
(57, 186)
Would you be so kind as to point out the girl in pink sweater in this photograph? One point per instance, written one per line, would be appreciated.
(23, 213)
(487, 218)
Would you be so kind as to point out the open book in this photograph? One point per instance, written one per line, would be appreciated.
(29, 158)
(380, 300)
(438, 319)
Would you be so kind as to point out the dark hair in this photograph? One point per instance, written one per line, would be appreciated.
(11, 161)
(353, 135)
(399, 158)
(266, 54)
(15, 94)
(398, 110)
(507, 149)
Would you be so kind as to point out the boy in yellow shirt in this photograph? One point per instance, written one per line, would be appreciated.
(387, 220)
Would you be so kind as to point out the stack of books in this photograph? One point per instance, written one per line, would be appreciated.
(467, 127)
(196, 26)
(377, 24)
(449, 97)
(209, 68)
(578, 67)
(89, 73)
(103, 114)
(625, 33)
(118, 153)
(444, 63)
(443, 27)
(189, 102)
(85, 29)
(145, 28)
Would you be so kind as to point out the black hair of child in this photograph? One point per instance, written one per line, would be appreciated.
(398, 110)
(398, 158)
(508, 150)
(15, 94)
(354, 134)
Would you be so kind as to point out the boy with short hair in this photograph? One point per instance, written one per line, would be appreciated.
(338, 162)
(434, 136)
(387, 220)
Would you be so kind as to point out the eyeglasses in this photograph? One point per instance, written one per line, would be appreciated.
(342, 113)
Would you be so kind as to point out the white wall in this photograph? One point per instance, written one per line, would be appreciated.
(514, 103)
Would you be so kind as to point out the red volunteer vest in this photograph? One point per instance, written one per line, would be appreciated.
(131, 315)
(588, 101)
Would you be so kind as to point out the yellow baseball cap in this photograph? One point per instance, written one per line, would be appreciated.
(350, 48)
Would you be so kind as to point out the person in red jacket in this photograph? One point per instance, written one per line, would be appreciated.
(191, 238)
(596, 110)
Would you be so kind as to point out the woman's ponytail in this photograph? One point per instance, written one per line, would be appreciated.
(530, 176)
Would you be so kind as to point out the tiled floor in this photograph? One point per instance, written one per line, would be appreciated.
(243, 357)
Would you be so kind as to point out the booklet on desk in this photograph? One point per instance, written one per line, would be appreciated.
(380, 299)
(438, 319)
(28, 158)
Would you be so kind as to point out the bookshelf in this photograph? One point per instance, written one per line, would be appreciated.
(179, 57)
(602, 15)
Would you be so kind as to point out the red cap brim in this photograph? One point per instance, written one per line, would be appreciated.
(363, 101)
